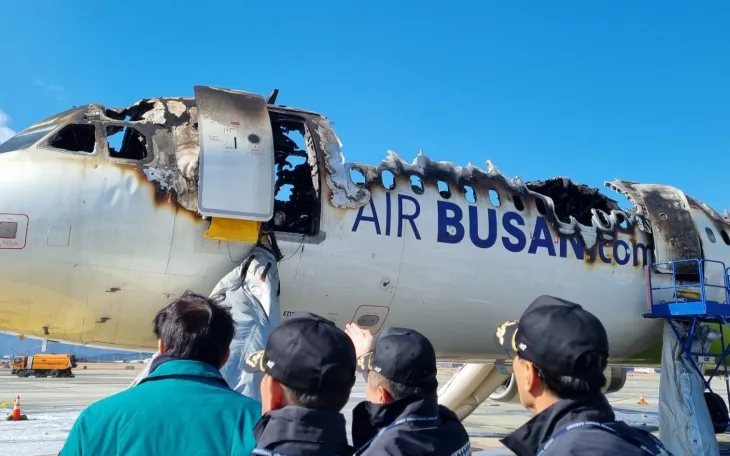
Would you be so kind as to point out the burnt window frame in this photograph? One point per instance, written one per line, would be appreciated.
(45, 143)
(311, 149)
(120, 123)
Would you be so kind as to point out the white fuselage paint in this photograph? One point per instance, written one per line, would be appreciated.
(101, 257)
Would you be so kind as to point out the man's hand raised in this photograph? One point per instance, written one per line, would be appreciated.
(361, 338)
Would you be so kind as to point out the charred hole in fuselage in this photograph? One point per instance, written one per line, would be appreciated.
(126, 142)
(470, 194)
(603, 218)
(75, 138)
(494, 197)
(357, 175)
(416, 184)
(518, 203)
(725, 237)
(444, 190)
(571, 199)
(387, 178)
(623, 221)
(296, 204)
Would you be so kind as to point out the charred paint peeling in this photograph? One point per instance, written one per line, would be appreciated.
(161, 145)
(169, 129)
(721, 222)
(160, 140)
(573, 210)
(667, 211)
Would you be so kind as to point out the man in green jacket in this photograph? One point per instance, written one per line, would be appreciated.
(184, 406)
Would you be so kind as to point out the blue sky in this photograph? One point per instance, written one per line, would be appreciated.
(587, 90)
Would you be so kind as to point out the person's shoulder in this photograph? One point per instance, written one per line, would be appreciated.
(118, 401)
(593, 441)
(104, 408)
(239, 400)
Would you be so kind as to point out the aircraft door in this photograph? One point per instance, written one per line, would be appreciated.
(674, 230)
(236, 155)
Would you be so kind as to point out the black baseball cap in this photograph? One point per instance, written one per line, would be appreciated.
(404, 356)
(554, 334)
(307, 353)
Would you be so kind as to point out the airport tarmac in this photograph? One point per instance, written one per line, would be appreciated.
(52, 405)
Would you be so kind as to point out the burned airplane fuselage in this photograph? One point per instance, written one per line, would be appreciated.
(103, 199)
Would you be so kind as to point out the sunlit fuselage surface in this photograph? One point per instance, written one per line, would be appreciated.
(94, 242)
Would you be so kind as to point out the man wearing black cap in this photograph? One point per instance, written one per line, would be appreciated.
(309, 367)
(401, 414)
(559, 353)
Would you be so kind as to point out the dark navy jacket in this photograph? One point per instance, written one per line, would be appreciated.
(299, 431)
(584, 440)
(409, 426)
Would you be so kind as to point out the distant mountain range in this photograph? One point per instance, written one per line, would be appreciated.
(12, 345)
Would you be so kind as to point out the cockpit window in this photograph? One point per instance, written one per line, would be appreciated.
(126, 142)
(75, 138)
(25, 139)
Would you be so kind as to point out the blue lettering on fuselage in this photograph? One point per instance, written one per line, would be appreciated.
(486, 230)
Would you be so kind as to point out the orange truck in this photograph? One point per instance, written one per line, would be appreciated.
(43, 365)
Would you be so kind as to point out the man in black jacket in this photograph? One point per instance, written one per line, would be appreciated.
(310, 367)
(559, 352)
(401, 415)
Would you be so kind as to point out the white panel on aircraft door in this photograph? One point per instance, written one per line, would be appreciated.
(236, 155)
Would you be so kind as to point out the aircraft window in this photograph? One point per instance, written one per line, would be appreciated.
(8, 230)
(444, 189)
(126, 142)
(357, 175)
(624, 222)
(603, 218)
(494, 197)
(725, 237)
(296, 204)
(710, 235)
(519, 204)
(417, 184)
(470, 194)
(75, 138)
(388, 179)
(25, 139)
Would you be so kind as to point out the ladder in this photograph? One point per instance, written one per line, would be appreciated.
(690, 303)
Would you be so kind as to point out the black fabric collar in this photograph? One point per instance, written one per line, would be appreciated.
(294, 423)
(368, 418)
(526, 440)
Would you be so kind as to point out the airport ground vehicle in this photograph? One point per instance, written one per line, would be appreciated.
(43, 365)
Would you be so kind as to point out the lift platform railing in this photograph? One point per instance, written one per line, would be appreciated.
(684, 304)
(692, 309)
